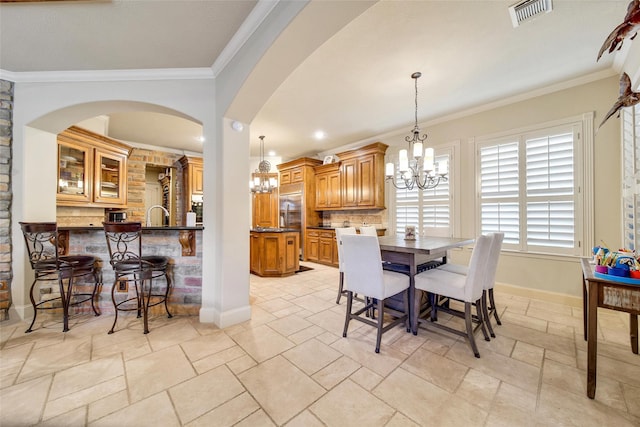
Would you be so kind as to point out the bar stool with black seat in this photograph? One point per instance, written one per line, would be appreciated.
(48, 265)
(124, 241)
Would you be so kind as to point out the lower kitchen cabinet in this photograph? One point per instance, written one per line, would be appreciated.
(274, 254)
(321, 246)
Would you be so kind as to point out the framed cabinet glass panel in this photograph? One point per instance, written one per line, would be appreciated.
(74, 176)
(109, 178)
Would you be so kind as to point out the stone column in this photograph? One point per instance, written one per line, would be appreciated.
(6, 133)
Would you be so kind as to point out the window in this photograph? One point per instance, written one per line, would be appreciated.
(429, 210)
(631, 177)
(530, 189)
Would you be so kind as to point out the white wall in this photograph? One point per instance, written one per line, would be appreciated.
(534, 272)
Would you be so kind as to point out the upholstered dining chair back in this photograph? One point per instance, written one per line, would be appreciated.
(478, 269)
(363, 269)
(339, 233)
(494, 255)
(368, 230)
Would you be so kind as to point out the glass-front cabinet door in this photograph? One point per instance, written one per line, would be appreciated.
(74, 176)
(109, 178)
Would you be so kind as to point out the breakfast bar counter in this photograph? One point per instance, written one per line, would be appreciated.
(183, 246)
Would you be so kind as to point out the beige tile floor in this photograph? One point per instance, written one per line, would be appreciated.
(290, 366)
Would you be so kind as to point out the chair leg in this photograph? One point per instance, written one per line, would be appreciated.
(166, 295)
(65, 297)
(485, 314)
(115, 305)
(348, 316)
(478, 305)
(469, 325)
(145, 301)
(33, 303)
(493, 307)
(433, 299)
(97, 284)
(380, 323)
(340, 287)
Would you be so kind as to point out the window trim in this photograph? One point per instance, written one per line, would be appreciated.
(583, 163)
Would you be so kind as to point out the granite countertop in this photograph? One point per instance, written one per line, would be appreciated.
(274, 230)
(152, 228)
(325, 227)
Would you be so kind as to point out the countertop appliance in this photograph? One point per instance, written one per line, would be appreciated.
(117, 216)
(291, 205)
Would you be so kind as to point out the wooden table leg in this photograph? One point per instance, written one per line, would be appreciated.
(414, 302)
(633, 321)
(592, 341)
(584, 307)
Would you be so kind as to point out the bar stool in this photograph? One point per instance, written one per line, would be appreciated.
(124, 241)
(41, 239)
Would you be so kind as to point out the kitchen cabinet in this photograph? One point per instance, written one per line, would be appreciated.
(265, 209)
(192, 187)
(328, 187)
(92, 170)
(292, 175)
(274, 254)
(362, 177)
(321, 246)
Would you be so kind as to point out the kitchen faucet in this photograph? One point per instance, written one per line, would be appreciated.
(166, 213)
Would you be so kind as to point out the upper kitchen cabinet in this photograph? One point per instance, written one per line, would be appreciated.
(193, 186)
(328, 187)
(362, 177)
(92, 170)
(299, 171)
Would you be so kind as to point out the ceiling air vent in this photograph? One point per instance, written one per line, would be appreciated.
(528, 9)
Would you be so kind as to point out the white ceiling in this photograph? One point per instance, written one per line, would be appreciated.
(355, 86)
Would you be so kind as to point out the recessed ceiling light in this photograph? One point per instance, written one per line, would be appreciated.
(200, 138)
(319, 134)
(271, 153)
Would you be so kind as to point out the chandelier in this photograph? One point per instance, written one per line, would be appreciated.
(420, 170)
(262, 182)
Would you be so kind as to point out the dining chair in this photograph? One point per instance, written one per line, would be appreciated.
(364, 275)
(466, 288)
(124, 242)
(368, 230)
(339, 233)
(488, 307)
(48, 265)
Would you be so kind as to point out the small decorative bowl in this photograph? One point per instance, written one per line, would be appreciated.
(603, 269)
(620, 272)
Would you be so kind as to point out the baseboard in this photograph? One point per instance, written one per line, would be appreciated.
(539, 294)
(227, 318)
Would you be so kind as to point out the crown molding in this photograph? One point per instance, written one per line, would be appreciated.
(107, 75)
(588, 78)
(257, 15)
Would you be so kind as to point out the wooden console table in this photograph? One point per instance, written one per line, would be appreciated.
(608, 293)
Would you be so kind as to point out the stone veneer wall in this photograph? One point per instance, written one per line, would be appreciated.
(6, 196)
(186, 294)
(136, 180)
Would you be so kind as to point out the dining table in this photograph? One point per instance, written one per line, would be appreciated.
(412, 253)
